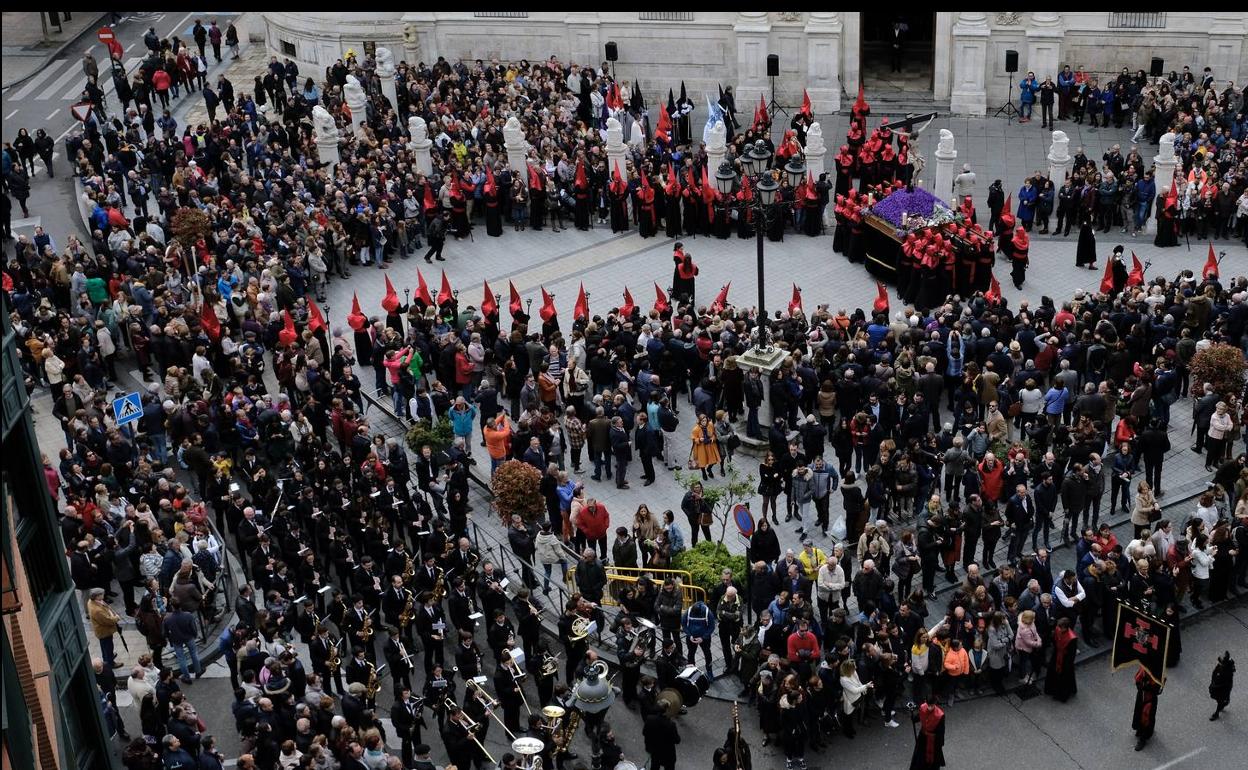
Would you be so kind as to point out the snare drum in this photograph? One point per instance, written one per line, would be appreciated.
(692, 685)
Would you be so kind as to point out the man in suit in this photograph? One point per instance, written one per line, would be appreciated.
(1020, 512)
(408, 718)
(1202, 412)
(431, 627)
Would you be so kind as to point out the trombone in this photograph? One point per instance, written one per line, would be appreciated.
(469, 726)
(491, 706)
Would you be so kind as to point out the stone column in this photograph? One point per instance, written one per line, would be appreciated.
(752, 30)
(816, 150)
(615, 147)
(1044, 44)
(823, 61)
(385, 72)
(970, 55)
(1060, 162)
(716, 149)
(945, 156)
(1226, 48)
(1166, 162)
(356, 101)
(516, 146)
(420, 144)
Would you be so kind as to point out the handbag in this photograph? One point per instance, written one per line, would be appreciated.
(1015, 409)
(734, 441)
(691, 463)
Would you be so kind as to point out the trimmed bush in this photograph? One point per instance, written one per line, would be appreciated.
(706, 560)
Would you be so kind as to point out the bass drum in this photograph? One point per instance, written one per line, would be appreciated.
(692, 685)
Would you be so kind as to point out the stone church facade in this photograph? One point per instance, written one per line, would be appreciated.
(956, 60)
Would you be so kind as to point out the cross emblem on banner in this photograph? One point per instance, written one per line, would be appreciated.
(1142, 636)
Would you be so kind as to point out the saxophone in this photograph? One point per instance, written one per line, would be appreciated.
(409, 609)
(409, 571)
(332, 662)
(366, 630)
(439, 587)
(374, 684)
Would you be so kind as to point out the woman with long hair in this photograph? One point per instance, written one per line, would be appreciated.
(770, 483)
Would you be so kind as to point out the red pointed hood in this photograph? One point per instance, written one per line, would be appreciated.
(489, 305)
(661, 303)
(1211, 265)
(721, 299)
(445, 295)
(812, 194)
(763, 117)
(627, 308)
(994, 291)
(580, 311)
(709, 193)
(431, 202)
(881, 298)
(356, 318)
(860, 104)
(673, 181)
(1107, 280)
(618, 185)
(1136, 276)
(806, 110)
(548, 306)
(515, 305)
(288, 335)
(663, 132)
(795, 303)
(316, 321)
(390, 302)
(207, 320)
(490, 187)
(582, 180)
(422, 290)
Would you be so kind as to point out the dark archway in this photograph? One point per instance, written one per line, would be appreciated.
(918, 51)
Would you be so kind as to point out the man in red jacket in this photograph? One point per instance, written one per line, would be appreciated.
(803, 646)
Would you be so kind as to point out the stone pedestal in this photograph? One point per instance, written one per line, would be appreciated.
(945, 156)
(970, 55)
(1060, 161)
(752, 30)
(767, 362)
(816, 151)
(516, 146)
(616, 150)
(1044, 44)
(823, 61)
(385, 72)
(1166, 162)
(356, 100)
(716, 148)
(420, 144)
(326, 135)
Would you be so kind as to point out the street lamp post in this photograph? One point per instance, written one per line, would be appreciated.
(756, 163)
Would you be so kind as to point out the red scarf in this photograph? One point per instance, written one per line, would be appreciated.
(929, 720)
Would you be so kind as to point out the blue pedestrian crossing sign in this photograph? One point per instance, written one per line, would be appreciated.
(127, 409)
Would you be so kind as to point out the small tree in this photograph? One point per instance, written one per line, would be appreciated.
(516, 490)
(437, 435)
(706, 560)
(188, 225)
(722, 497)
(1221, 365)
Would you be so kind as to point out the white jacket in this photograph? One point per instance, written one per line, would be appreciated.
(1201, 561)
(830, 580)
(547, 548)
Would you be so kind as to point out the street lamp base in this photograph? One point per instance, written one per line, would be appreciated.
(766, 359)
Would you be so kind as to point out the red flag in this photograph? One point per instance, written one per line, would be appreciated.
(994, 290)
(207, 319)
(881, 298)
(1107, 280)
(445, 295)
(664, 130)
(490, 186)
(422, 290)
(288, 335)
(629, 306)
(806, 104)
(762, 110)
(581, 309)
(390, 302)
(614, 100)
(515, 305)
(661, 305)
(489, 305)
(548, 306)
(1136, 277)
(754, 124)
(356, 318)
(315, 319)
(582, 181)
(795, 304)
(431, 203)
(1211, 265)
(721, 300)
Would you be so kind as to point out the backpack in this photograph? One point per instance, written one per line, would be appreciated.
(668, 420)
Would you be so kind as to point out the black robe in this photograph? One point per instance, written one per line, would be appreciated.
(1166, 233)
(493, 217)
(645, 216)
(722, 227)
(460, 225)
(619, 212)
(811, 222)
(1085, 254)
(672, 218)
(776, 225)
(1061, 684)
(1144, 718)
(745, 223)
(537, 207)
(929, 747)
(690, 201)
(582, 208)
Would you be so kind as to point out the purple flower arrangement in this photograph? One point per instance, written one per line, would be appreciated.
(900, 203)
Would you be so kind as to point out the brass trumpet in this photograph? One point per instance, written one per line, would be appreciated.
(491, 704)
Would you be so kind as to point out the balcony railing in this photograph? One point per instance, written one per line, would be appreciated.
(665, 15)
(1137, 20)
(501, 14)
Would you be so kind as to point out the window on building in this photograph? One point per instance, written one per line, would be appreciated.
(288, 48)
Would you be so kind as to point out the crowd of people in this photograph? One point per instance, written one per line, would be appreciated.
(970, 423)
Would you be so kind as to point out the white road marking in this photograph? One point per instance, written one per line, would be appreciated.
(1183, 758)
(27, 222)
(178, 26)
(52, 114)
(11, 114)
(34, 82)
(110, 85)
(132, 45)
(63, 80)
(65, 133)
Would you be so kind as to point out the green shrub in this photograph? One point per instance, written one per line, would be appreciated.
(438, 436)
(706, 560)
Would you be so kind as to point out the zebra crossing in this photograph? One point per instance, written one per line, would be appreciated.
(62, 81)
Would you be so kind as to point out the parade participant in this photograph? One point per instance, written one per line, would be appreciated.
(1021, 246)
(1221, 684)
(929, 741)
(1144, 719)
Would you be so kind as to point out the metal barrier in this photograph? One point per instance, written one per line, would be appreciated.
(618, 577)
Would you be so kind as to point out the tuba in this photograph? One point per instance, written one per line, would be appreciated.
(564, 738)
